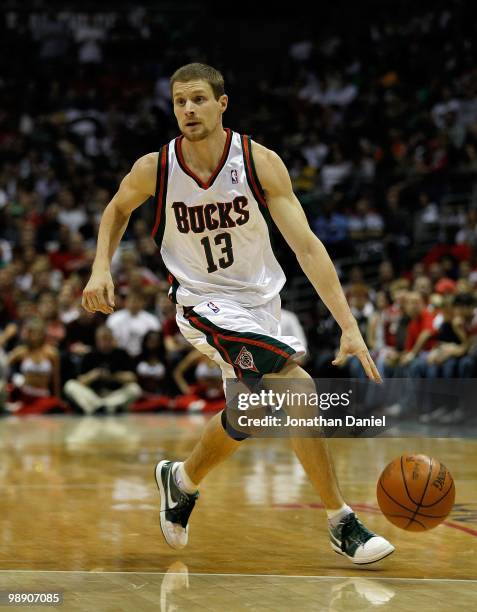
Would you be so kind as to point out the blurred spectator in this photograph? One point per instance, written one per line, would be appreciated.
(385, 164)
(150, 364)
(420, 334)
(36, 373)
(332, 228)
(48, 310)
(132, 277)
(423, 286)
(68, 304)
(468, 233)
(385, 275)
(335, 170)
(131, 324)
(72, 256)
(6, 335)
(174, 342)
(451, 338)
(68, 213)
(80, 332)
(206, 392)
(426, 220)
(365, 223)
(107, 379)
(290, 326)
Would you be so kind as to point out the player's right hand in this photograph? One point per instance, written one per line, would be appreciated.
(98, 295)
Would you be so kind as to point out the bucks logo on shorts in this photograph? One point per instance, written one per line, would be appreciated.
(245, 360)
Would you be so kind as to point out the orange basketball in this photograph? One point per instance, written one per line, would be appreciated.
(415, 492)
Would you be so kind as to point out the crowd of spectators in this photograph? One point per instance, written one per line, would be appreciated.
(377, 122)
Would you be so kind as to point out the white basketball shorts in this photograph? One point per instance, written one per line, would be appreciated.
(243, 341)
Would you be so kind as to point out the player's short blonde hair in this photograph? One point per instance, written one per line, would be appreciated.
(197, 71)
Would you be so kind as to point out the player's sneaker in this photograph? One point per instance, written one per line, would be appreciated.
(351, 539)
(176, 506)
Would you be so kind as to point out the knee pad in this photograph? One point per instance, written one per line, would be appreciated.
(229, 430)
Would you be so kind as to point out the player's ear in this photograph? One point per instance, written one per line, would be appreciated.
(223, 101)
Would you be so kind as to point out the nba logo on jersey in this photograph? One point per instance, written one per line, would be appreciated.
(213, 307)
(245, 360)
(234, 175)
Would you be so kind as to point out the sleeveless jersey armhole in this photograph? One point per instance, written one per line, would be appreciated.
(161, 194)
(252, 177)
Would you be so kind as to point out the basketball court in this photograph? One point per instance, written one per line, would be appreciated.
(80, 517)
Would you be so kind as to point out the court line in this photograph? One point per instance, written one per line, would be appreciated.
(364, 575)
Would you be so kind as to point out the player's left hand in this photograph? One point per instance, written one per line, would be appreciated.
(352, 343)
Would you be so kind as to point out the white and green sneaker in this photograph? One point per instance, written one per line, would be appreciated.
(176, 505)
(351, 539)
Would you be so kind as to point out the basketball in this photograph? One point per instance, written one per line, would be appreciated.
(416, 492)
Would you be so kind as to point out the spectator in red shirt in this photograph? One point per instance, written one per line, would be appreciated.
(420, 334)
(70, 256)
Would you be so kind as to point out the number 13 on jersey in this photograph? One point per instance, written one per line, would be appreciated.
(224, 241)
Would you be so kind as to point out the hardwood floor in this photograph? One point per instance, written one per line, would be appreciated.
(78, 500)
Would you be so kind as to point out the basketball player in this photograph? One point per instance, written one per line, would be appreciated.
(213, 190)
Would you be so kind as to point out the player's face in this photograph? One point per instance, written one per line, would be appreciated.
(197, 111)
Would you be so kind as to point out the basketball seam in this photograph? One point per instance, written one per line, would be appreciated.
(406, 517)
(405, 484)
(440, 498)
(396, 502)
(408, 509)
(423, 493)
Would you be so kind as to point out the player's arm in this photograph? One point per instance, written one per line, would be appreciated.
(312, 256)
(135, 188)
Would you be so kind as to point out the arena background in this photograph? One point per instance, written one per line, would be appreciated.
(373, 108)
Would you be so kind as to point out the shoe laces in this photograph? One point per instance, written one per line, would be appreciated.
(353, 531)
(185, 505)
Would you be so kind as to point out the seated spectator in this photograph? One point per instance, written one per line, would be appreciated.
(290, 326)
(426, 219)
(174, 342)
(80, 332)
(206, 392)
(48, 310)
(107, 379)
(71, 255)
(331, 227)
(365, 223)
(36, 373)
(385, 275)
(69, 214)
(379, 337)
(468, 233)
(131, 324)
(150, 368)
(420, 335)
(133, 277)
(6, 337)
(68, 304)
(335, 170)
(423, 286)
(451, 342)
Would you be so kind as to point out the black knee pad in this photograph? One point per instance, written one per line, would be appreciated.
(233, 433)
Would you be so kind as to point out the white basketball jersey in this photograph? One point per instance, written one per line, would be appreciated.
(214, 236)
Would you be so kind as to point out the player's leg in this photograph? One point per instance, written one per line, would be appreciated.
(348, 535)
(313, 453)
(178, 482)
(214, 446)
